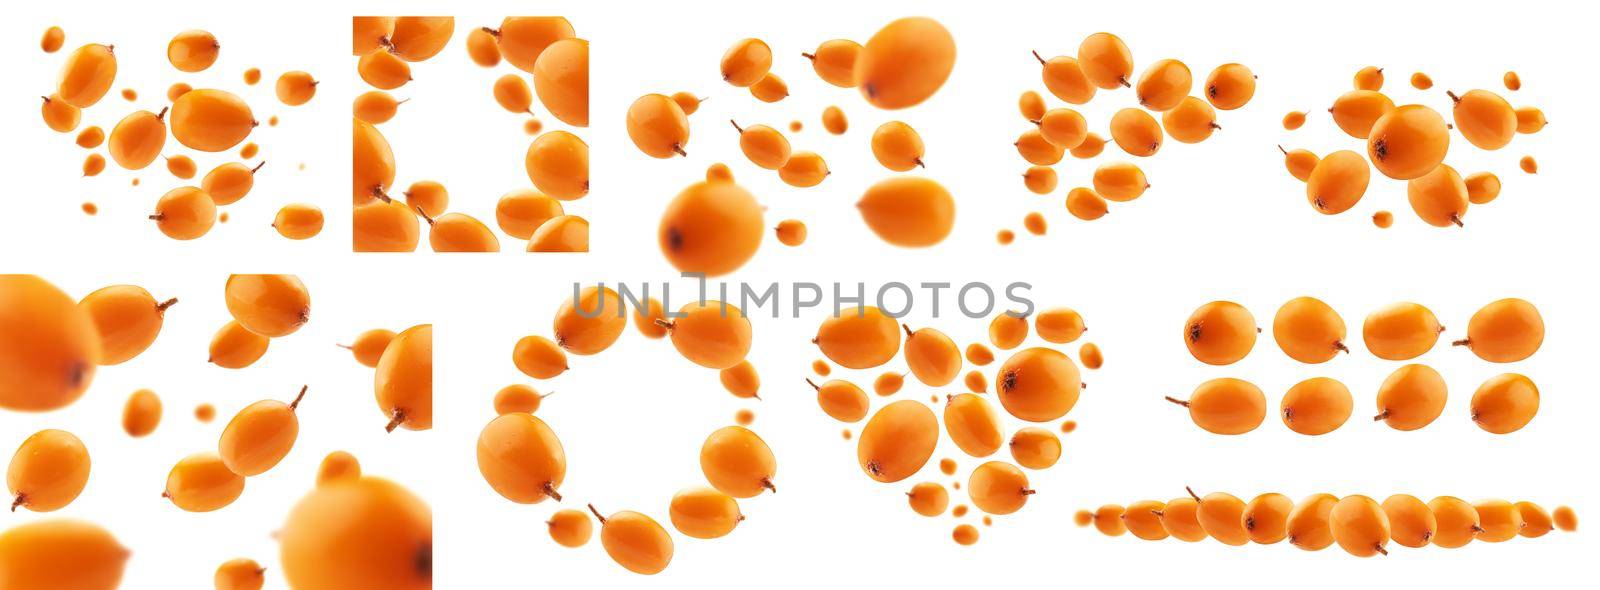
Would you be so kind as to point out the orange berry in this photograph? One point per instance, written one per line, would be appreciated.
(658, 126)
(835, 62)
(1226, 406)
(746, 62)
(712, 228)
(908, 211)
(394, 525)
(1038, 384)
(1505, 331)
(521, 458)
(905, 63)
(1106, 60)
(897, 441)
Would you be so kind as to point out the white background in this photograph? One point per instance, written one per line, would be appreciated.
(1223, 221)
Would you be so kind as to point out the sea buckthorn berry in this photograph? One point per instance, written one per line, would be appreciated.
(928, 499)
(1356, 111)
(523, 39)
(908, 211)
(234, 347)
(712, 228)
(1108, 520)
(417, 38)
(1530, 120)
(1038, 384)
(704, 513)
(842, 400)
(1180, 518)
(1535, 521)
(1065, 128)
(1226, 406)
(591, 321)
(1035, 448)
(1439, 197)
(482, 47)
(1220, 333)
(1499, 519)
(1136, 132)
(1106, 60)
(1421, 81)
(1484, 118)
(1120, 181)
(403, 380)
(1482, 187)
(859, 338)
(1266, 518)
(1337, 182)
(1408, 142)
(1163, 85)
(711, 334)
(905, 63)
(60, 554)
(764, 146)
(48, 471)
(898, 147)
(1505, 403)
(239, 574)
(211, 120)
(137, 139)
(1293, 120)
(1222, 516)
(260, 436)
(570, 528)
(997, 487)
(269, 305)
(835, 62)
(295, 88)
(1400, 331)
(522, 459)
(1064, 77)
(932, 356)
(1230, 86)
(1505, 331)
(1083, 203)
(738, 463)
(394, 525)
(1308, 522)
(1059, 325)
(1309, 331)
(202, 483)
(1369, 78)
(1411, 397)
(86, 75)
(834, 121)
(1411, 522)
(1359, 526)
(298, 221)
(1316, 406)
(141, 414)
(897, 441)
(1300, 162)
(972, 424)
(1457, 520)
(1143, 520)
(185, 213)
(60, 116)
(128, 319)
(52, 40)
(770, 88)
(1191, 121)
(746, 62)
(741, 380)
(558, 164)
(561, 80)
